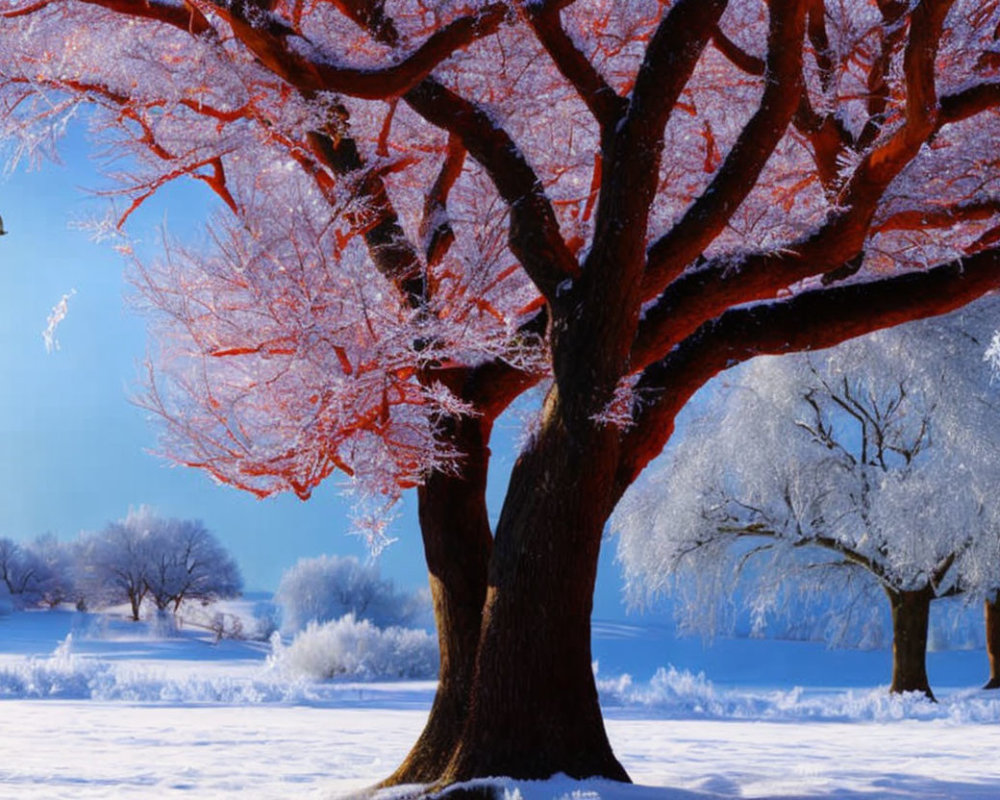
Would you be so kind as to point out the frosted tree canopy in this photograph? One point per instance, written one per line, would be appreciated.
(404, 187)
(872, 463)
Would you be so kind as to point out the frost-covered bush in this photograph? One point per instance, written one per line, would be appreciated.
(349, 647)
(328, 587)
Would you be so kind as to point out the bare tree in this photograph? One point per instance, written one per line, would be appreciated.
(114, 565)
(167, 560)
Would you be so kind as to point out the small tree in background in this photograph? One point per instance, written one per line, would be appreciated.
(22, 573)
(114, 565)
(60, 561)
(878, 457)
(186, 562)
(327, 588)
(165, 559)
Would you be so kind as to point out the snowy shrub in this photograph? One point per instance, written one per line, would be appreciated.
(349, 647)
(328, 587)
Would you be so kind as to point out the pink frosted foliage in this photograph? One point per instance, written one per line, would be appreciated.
(297, 343)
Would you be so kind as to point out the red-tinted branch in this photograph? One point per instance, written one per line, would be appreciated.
(268, 44)
(740, 170)
(940, 217)
(835, 250)
(894, 34)
(393, 254)
(750, 64)
(820, 42)
(671, 56)
(24, 11)
(185, 17)
(811, 320)
(968, 102)
(703, 293)
(369, 15)
(921, 112)
(631, 162)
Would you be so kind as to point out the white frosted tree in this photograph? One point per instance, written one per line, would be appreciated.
(875, 458)
(145, 555)
(23, 573)
(114, 563)
(425, 209)
(186, 562)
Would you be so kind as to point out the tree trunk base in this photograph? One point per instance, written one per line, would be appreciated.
(910, 617)
(425, 762)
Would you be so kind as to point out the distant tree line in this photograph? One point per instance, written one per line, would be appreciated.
(141, 557)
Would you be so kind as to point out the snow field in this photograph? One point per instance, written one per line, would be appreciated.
(73, 750)
(92, 708)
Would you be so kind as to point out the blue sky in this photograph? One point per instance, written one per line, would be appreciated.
(76, 452)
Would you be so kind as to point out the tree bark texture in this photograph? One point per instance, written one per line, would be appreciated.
(991, 612)
(910, 618)
(457, 546)
(535, 708)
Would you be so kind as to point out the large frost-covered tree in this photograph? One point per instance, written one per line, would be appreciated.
(876, 457)
(427, 208)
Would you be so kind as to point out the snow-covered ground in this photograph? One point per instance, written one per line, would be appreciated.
(98, 708)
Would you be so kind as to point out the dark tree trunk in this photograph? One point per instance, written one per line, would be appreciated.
(991, 610)
(535, 709)
(910, 618)
(457, 546)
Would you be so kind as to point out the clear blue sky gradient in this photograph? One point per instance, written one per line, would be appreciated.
(76, 453)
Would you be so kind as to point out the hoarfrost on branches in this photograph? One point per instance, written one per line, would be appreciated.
(833, 474)
(302, 341)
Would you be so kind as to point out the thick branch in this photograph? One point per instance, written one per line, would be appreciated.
(271, 48)
(534, 235)
(811, 320)
(940, 217)
(968, 102)
(604, 102)
(631, 168)
(739, 173)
